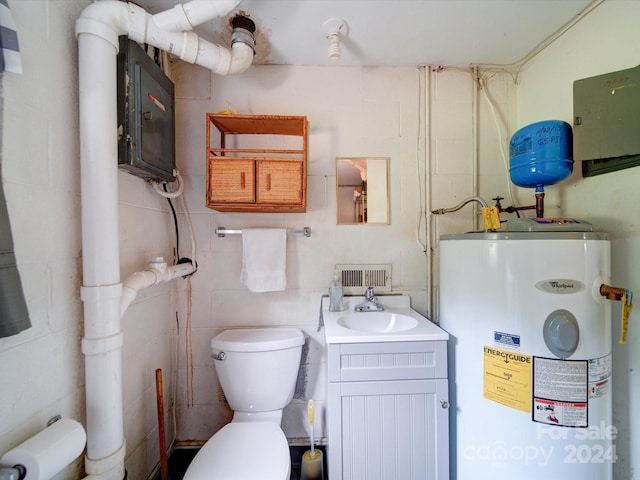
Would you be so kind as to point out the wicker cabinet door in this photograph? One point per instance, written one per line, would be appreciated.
(231, 181)
(279, 182)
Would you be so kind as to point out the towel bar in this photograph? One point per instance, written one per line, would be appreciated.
(221, 232)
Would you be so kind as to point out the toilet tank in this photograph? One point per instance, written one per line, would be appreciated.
(260, 366)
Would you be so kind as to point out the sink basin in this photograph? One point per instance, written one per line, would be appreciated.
(398, 322)
(378, 322)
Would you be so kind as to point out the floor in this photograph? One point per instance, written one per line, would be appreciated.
(181, 457)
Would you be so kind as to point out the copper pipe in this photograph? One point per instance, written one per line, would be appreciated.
(512, 209)
(612, 293)
(540, 205)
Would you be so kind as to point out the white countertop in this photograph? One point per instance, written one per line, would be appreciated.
(336, 332)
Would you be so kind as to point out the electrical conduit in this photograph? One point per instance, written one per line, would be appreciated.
(97, 31)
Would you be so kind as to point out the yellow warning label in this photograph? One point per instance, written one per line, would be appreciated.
(507, 378)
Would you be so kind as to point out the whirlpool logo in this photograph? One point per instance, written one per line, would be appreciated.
(560, 286)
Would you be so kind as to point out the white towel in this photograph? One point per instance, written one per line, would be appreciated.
(264, 259)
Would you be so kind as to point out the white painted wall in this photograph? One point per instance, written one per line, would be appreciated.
(605, 41)
(42, 369)
(352, 112)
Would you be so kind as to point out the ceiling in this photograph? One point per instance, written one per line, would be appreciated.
(454, 33)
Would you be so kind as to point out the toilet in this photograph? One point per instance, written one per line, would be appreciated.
(257, 369)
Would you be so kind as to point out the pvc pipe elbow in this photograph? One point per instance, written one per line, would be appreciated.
(242, 44)
(132, 285)
(106, 19)
(225, 62)
(128, 296)
(241, 58)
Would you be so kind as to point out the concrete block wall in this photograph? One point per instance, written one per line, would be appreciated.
(42, 368)
(351, 112)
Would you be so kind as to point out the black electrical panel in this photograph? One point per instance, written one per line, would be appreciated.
(146, 116)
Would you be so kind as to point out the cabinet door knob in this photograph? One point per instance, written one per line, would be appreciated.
(242, 181)
(444, 404)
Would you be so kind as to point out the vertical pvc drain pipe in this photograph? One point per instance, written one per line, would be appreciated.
(97, 30)
(101, 290)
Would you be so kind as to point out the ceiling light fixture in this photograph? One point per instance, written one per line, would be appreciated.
(335, 28)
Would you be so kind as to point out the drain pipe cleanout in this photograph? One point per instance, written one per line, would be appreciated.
(97, 31)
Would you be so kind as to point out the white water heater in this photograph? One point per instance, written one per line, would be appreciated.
(530, 355)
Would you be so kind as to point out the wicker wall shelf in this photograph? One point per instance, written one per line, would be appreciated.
(256, 163)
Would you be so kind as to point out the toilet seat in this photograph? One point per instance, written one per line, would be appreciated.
(243, 451)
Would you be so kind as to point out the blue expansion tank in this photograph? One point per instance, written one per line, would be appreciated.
(541, 154)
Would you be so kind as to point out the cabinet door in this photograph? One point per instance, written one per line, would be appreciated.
(279, 182)
(393, 430)
(231, 181)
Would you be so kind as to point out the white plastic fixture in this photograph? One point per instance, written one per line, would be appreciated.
(334, 28)
(157, 272)
(102, 292)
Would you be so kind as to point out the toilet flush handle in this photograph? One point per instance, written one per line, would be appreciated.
(219, 356)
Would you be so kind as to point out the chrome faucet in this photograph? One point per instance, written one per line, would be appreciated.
(370, 303)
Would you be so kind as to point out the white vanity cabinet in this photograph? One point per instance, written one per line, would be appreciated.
(388, 414)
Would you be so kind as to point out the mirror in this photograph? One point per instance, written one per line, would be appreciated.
(362, 190)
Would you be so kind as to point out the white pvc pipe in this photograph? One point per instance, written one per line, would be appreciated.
(475, 154)
(97, 30)
(185, 16)
(98, 119)
(101, 289)
(109, 19)
(148, 278)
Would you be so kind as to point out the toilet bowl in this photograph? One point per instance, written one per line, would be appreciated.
(257, 369)
(243, 451)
